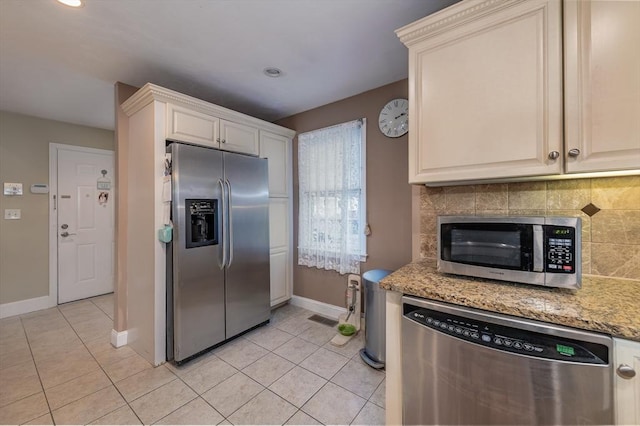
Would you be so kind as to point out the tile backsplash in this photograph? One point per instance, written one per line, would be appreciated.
(610, 237)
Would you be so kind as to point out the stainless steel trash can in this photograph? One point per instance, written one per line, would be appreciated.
(373, 352)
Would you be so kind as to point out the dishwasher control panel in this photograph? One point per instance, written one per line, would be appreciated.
(509, 339)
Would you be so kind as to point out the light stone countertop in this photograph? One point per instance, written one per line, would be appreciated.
(603, 304)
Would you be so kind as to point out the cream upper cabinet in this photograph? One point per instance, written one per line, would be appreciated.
(485, 91)
(488, 99)
(188, 125)
(602, 85)
(277, 149)
(627, 382)
(238, 137)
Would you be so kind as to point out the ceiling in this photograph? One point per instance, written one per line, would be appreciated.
(61, 63)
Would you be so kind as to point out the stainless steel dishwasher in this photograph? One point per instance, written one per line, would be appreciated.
(467, 366)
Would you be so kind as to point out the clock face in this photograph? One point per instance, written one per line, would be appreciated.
(394, 118)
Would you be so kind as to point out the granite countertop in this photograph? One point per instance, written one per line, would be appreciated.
(604, 304)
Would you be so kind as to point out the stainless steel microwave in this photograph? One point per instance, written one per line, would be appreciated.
(533, 250)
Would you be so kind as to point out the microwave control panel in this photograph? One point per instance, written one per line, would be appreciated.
(560, 249)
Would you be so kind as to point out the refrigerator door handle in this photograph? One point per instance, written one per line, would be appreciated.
(223, 209)
(230, 222)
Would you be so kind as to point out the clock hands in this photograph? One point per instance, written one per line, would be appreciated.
(404, 113)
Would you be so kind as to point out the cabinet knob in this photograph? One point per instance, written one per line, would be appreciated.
(218, 140)
(626, 372)
(574, 152)
(553, 155)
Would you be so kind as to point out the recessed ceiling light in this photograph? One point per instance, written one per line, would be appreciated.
(272, 72)
(72, 3)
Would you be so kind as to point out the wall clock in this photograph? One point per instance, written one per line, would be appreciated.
(394, 118)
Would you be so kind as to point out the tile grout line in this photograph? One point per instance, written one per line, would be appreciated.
(102, 369)
(199, 395)
(109, 378)
(267, 387)
(336, 384)
(127, 403)
(35, 365)
(327, 380)
(251, 399)
(241, 371)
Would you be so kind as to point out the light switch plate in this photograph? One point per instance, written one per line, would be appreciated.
(12, 213)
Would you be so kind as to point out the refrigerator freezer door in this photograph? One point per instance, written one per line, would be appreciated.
(198, 276)
(247, 280)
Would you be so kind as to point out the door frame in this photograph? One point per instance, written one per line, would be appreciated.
(53, 220)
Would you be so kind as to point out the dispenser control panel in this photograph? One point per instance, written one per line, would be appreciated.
(201, 222)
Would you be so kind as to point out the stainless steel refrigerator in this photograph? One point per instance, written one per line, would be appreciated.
(218, 262)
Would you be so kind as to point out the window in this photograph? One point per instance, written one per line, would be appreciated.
(332, 208)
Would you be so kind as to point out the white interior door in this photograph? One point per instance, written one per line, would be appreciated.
(85, 220)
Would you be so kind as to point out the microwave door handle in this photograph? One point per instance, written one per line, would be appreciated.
(538, 248)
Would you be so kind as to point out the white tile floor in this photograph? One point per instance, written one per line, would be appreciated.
(57, 365)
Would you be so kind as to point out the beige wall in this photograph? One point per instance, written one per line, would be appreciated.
(610, 238)
(388, 193)
(24, 157)
(122, 93)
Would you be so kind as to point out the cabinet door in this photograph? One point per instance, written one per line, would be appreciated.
(602, 84)
(627, 390)
(277, 149)
(280, 288)
(278, 223)
(485, 92)
(279, 243)
(238, 137)
(191, 126)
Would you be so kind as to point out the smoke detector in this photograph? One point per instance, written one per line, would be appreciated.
(272, 72)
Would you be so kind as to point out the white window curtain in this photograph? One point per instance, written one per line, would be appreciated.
(331, 168)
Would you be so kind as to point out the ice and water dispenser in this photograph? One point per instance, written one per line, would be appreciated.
(202, 222)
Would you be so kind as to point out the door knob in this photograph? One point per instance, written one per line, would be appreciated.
(626, 372)
(574, 152)
(64, 226)
(553, 155)
(66, 234)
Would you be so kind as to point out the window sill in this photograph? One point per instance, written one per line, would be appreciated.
(361, 257)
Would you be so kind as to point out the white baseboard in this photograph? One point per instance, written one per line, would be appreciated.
(330, 311)
(118, 338)
(24, 306)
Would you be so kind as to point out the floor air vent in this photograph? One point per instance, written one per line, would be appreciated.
(323, 320)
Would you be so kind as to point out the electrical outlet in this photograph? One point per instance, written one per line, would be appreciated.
(12, 213)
